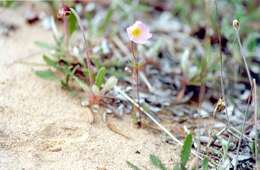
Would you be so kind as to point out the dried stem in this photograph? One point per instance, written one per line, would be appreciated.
(86, 45)
(222, 85)
(136, 82)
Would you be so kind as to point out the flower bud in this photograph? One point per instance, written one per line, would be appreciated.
(236, 24)
(64, 11)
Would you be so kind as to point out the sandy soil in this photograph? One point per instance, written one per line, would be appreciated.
(42, 127)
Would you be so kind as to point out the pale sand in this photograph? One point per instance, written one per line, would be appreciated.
(42, 127)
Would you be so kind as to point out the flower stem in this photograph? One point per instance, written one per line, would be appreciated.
(249, 100)
(243, 57)
(86, 45)
(135, 84)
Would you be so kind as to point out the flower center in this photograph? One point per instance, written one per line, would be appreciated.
(136, 31)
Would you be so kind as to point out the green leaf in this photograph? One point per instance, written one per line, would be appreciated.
(72, 23)
(7, 3)
(46, 74)
(50, 61)
(205, 164)
(100, 77)
(44, 45)
(157, 162)
(186, 149)
(132, 166)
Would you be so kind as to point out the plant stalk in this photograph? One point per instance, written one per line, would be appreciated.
(243, 57)
(86, 45)
(251, 86)
(135, 84)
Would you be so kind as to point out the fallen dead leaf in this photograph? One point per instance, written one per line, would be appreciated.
(115, 129)
(88, 115)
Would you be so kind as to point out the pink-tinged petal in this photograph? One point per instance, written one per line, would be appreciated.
(129, 33)
(149, 35)
(139, 41)
(143, 37)
(142, 40)
(142, 26)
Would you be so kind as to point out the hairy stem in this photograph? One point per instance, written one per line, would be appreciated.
(135, 84)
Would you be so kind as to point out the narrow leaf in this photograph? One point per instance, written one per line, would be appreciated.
(100, 77)
(46, 74)
(157, 162)
(72, 23)
(49, 61)
(132, 166)
(205, 163)
(44, 45)
(186, 149)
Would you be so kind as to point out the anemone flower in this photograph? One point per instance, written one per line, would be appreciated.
(139, 33)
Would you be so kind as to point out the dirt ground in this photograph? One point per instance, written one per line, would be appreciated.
(42, 127)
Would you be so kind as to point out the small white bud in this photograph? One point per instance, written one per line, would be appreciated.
(236, 24)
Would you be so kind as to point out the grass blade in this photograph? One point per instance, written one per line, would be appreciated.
(72, 23)
(47, 75)
(44, 45)
(100, 77)
(49, 61)
(205, 163)
(157, 162)
(132, 166)
(186, 149)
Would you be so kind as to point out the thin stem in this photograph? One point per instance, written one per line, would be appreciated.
(86, 45)
(136, 81)
(248, 104)
(256, 125)
(243, 57)
(222, 85)
(257, 143)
